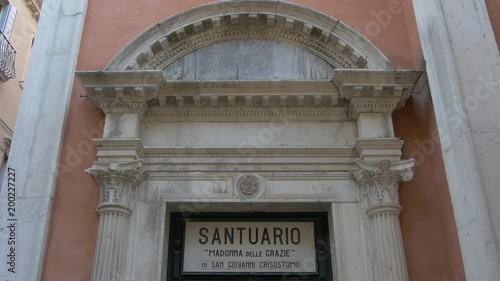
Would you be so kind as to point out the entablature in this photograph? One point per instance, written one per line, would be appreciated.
(348, 93)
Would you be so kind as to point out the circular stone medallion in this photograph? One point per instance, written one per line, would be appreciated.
(248, 186)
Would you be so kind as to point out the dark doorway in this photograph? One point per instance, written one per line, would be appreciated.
(321, 237)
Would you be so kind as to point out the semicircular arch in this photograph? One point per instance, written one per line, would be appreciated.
(322, 35)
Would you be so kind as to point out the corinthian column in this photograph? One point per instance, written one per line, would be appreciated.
(380, 184)
(117, 183)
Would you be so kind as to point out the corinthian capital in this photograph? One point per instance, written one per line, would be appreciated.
(380, 181)
(117, 182)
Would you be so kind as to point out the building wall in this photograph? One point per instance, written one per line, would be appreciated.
(431, 254)
(460, 50)
(428, 225)
(494, 12)
(23, 31)
(427, 221)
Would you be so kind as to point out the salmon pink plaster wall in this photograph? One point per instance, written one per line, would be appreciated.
(427, 222)
(73, 229)
(413, 36)
(365, 17)
(110, 25)
(494, 12)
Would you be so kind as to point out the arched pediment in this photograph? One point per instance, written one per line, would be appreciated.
(323, 36)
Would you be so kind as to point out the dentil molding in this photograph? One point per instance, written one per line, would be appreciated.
(348, 93)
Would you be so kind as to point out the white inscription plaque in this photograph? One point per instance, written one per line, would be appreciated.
(262, 247)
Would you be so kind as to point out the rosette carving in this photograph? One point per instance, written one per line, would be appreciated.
(249, 185)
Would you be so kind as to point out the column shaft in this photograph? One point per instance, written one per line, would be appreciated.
(111, 246)
(117, 182)
(380, 184)
(390, 262)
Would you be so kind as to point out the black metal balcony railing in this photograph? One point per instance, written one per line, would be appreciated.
(7, 59)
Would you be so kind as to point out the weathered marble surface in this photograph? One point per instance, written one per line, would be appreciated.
(249, 59)
(248, 134)
(37, 143)
(463, 66)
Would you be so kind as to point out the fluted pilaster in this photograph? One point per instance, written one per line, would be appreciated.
(380, 188)
(117, 183)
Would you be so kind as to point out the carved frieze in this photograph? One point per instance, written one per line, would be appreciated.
(226, 33)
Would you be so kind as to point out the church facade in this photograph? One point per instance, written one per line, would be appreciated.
(265, 140)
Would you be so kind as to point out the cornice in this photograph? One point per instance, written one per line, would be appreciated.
(378, 143)
(317, 152)
(271, 176)
(121, 92)
(119, 148)
(350, 92)
(152, 152)
(375, 91)
(120, 144)
(226, 160)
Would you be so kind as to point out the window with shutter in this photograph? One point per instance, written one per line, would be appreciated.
(7, 17)
(7, 51)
